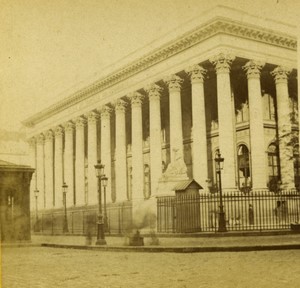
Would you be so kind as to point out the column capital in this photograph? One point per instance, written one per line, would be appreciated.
(68, 126)
(79, 122)
(222, 62)
(136, 99)
(280, 74)
(174, 82)
(154, 91)
(120, 106)
(92, 117)
(58, 131)
(40, 139)
(252, 68)
(48, 135)
(31, 141)
(197, 73)
(105, 112)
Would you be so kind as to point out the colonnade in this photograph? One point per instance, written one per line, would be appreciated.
(58, 158)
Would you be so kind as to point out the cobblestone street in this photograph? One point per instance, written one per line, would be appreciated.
(33, 267)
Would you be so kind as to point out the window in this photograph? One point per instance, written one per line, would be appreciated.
(268, 106)
(244, 176)
(242, 114)
(273, 167)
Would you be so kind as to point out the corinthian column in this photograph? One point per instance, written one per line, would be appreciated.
(105, 114)
(69, 162)
(92, 157)
(79, 164)
(58, 158)
(284, 127)
(40, 171)
(137, 146)
(155, 135)
(121, 166)
(176, 138)
(225, 118)
(257, 138)
(49, 169)
(200, 168)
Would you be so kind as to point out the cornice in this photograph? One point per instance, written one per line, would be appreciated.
(219, 25)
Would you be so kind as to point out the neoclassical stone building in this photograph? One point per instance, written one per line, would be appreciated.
(222, 84)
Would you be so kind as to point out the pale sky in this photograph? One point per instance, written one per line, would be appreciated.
(50, 46)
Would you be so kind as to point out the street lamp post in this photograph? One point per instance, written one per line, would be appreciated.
(65, 225)
(219, 166)
(104, 180)
(100, 225)
(36, 226)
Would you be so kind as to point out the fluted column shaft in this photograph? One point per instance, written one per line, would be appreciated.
(137, 146)
(49, 169)
(79, 164)
(105, 114)
(176, 138)
(69, 162)
(257, 138)
(200, 168)
(121, 163)
(225, 118)
(155, 136)
(284, 127)
(58, 158)
(40, 170)
(92, 158)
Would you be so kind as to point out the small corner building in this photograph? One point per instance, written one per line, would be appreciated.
(15, 201)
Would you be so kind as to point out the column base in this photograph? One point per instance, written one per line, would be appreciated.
(259, 189)
(100, 242)
(288, 188)
(230, 190)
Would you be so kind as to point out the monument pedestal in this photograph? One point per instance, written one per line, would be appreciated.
(175, 173)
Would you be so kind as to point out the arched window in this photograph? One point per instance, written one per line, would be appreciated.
(244, 176)
(273, 167)
(296, 157)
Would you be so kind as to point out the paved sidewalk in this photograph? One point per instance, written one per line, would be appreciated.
(178, 244)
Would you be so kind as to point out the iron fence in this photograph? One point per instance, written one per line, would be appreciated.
(259, 210)
(83, 220)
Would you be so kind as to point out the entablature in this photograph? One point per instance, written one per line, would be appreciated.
(217, 27)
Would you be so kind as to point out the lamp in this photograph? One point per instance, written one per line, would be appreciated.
(99, 169)
(36, 226)
(104, 180)
(219, 166)
(65, 190)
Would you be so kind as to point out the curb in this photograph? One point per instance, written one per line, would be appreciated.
(176, 249)
(19, 245)
(193, 235)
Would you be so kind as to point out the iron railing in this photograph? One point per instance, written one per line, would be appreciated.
(260, 210)
(83, 220)
(256, 211)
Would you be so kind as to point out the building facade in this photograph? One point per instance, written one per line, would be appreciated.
(222, 85)
(14, 202)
